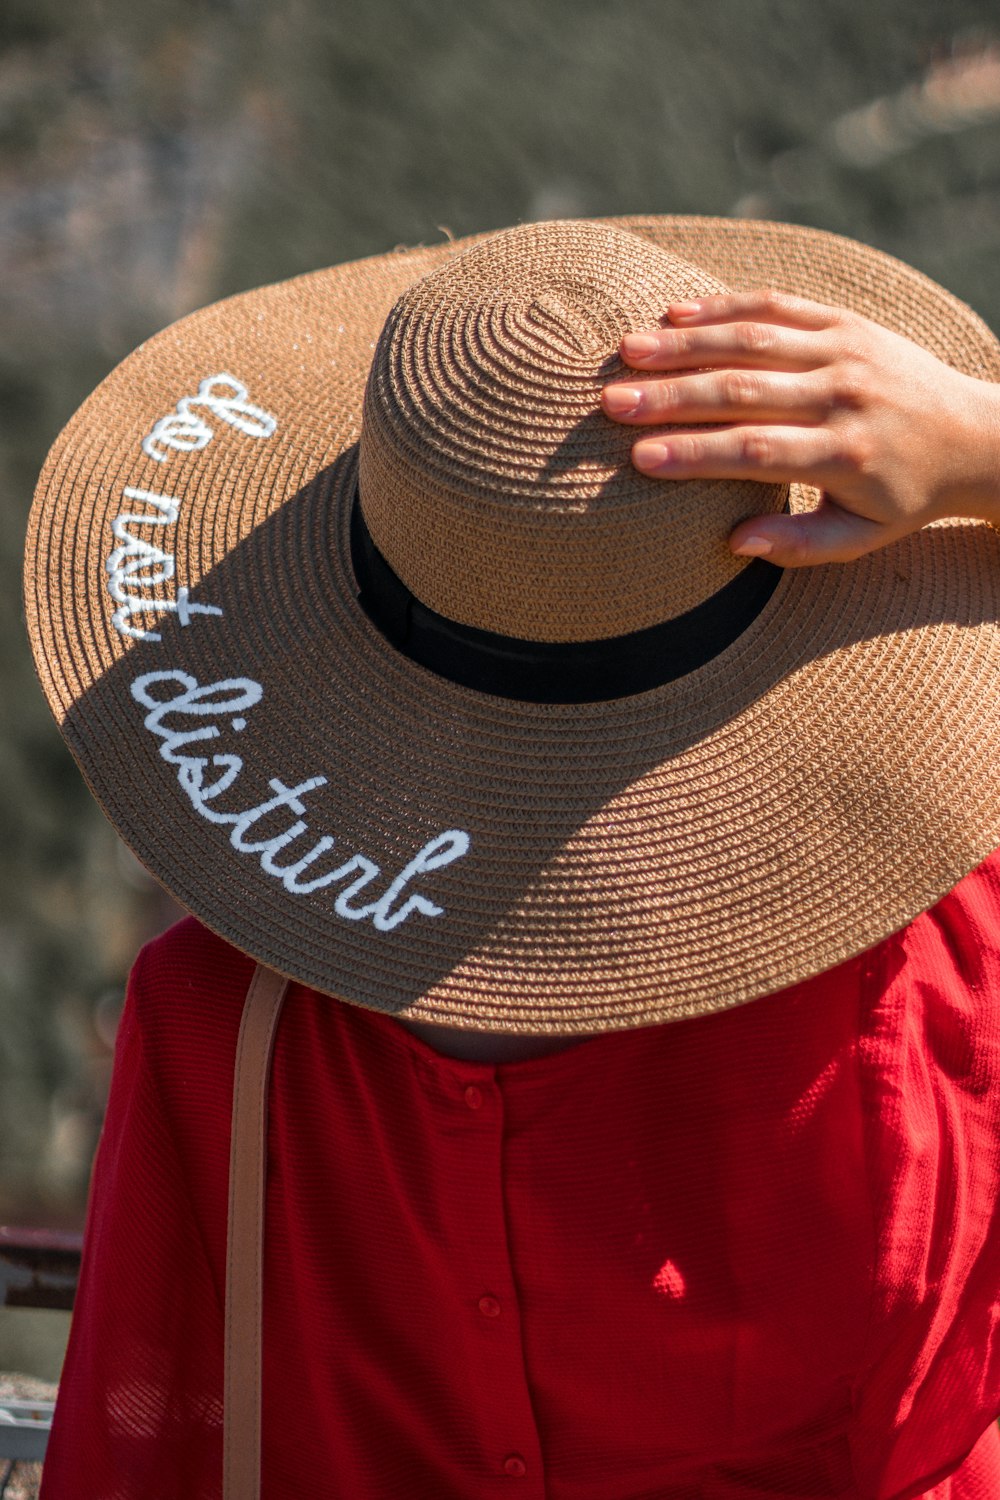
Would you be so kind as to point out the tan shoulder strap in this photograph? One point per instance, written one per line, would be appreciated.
(245, 1241)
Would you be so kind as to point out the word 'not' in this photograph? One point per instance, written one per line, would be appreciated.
(136, 566)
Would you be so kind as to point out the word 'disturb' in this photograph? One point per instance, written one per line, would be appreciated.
(186, 716)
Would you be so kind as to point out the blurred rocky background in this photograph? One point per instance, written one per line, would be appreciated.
(158, 155)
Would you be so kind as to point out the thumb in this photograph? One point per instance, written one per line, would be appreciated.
(827, 534)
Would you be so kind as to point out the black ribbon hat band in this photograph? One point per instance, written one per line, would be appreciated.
(558, 671)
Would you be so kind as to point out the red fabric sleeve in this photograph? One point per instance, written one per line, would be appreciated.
(140, 1411)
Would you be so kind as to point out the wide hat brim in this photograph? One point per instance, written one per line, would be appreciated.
(470, 859)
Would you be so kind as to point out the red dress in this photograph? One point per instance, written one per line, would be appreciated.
(751, 1255)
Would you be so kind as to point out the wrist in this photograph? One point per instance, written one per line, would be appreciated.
(979, 494)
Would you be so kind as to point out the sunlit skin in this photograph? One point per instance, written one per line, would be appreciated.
(892, 436)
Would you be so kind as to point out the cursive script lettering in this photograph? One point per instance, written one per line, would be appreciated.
(137, 565)
(185, 429)
(178, 706)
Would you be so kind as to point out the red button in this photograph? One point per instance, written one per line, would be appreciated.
(473, 1097)
(515, 1465)
(489, 1307)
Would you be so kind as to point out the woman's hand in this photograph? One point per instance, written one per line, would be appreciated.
(893, 437)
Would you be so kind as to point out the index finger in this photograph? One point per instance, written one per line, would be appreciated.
(766, 306)
(743, 344)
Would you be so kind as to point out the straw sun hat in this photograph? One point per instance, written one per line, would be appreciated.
(566, 763)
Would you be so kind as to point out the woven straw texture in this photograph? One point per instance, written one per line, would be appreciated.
(378, 832)
(491, 480)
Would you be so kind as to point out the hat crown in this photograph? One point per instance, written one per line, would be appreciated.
(490, 479)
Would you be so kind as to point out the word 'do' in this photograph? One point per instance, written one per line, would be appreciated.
(187, 428)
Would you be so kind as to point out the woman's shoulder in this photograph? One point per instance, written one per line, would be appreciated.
(185, 1000)
(190, 965)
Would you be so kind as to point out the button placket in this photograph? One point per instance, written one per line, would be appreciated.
(508, 1431)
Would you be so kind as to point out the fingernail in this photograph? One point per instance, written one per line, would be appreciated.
(651, 454)
(621, 400)
(754, 546)
(639, 345)
(683, 309)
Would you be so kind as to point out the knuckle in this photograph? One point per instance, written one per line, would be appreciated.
(772, 301)
(740, 388)
(843, 325)
(753, 338)
(756, 448)
(688, 450)
(666, 397)
(856, 454)
(795, 547)
(851, 389)
(854, 341)
(799, 546)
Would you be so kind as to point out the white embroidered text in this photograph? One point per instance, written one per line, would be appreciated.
(255, 830)
(136, 567)
(186, 428)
